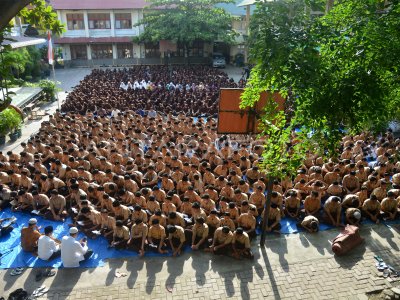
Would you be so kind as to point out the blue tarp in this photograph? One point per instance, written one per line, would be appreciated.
(18, 258)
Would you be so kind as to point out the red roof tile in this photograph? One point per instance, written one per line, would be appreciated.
(98, 4)
(85, 40)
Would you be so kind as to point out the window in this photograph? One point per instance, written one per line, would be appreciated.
(99, 21)
(78, 52)
(152, 49)
(194, 50)
(180, 50)
(101, 51)
(75, 22)
(124, 50)
(123, 21)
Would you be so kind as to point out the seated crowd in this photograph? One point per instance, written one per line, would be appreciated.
(193, 90)
(163, 182)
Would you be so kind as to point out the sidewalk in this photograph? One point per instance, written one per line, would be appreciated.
(68, 79)
(296, 266)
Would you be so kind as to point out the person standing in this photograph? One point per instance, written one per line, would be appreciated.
(73, 251)
(48, 246)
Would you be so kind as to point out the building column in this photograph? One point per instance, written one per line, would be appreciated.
(89, 52)
(114, 49)
(86, 21)
(59, 17)
(112, 20)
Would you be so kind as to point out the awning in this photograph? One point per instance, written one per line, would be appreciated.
(22, 41)
(247, 2)
(99, 40)
(251, 2)
(96, 4)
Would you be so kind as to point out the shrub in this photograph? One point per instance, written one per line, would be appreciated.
(10, 120)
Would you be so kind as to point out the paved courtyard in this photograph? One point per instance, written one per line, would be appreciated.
(295, 266)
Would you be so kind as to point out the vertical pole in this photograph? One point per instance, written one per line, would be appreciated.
(246, 54)
(267, 207)
(55, 83)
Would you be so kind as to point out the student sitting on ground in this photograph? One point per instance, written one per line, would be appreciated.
(121, 235)
(176, 238)
(30, 236)
(222, 242)
(48, 246)
(241, 244)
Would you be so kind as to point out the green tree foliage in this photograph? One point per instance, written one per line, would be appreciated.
(340, 69)
(186, 21)
(42, 16)
(9, 121)
(15, 62)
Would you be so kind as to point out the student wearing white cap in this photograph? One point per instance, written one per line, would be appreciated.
(30, 236)
(73, 251)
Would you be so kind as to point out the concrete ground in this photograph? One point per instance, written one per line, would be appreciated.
(299, 266)
(295, 266)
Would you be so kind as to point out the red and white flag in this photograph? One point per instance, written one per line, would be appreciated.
(50, 54)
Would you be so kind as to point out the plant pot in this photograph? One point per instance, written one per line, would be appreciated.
(19, 132)
(2, 140)
(13, 136)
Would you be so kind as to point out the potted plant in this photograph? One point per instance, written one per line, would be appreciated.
(49, 88)
(14, 123)
(10, 121)
(18, 130)
(3, 129)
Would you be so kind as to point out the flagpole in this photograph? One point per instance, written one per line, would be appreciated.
(55, 83)
(50, 55)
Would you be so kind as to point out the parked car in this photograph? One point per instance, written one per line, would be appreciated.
(218, 60)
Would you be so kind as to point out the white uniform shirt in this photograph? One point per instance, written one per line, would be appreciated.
(72, 252)
(46, 247)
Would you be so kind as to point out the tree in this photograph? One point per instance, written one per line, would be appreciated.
(186, 21)
(39, 14)
(9, 9)
(16, 60)
(340, 70)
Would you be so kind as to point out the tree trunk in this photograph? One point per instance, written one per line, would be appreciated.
(329, 5)
(9, 9)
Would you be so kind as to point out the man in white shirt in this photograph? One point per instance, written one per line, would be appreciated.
(123, 86)
(48, 247)
(152, 113)
(115, 112)
(73, 251)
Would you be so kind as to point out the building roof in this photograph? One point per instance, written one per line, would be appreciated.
(236, 8)
(99, 40)
(232, 8)
(246, 2)
(98, 4)
(251, 2)
(22, 41)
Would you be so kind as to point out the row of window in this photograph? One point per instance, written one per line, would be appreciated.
(99, 21)
(104, 51)
(101, 51)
